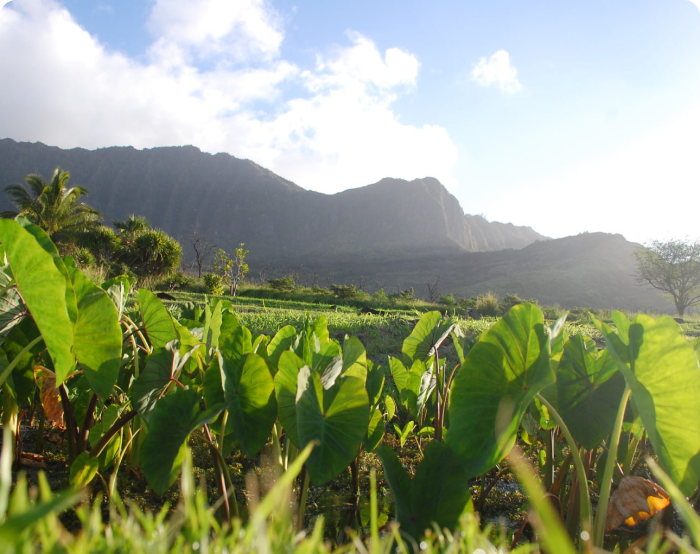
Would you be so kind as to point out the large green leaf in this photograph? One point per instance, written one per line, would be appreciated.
(118, 289)
(501, 375)
(249, 392)
(327, 354)
(375, 383)
(664, 376)
(589, 388)
(236, 343)
(98, 337)
(42, 280)
(212, 326)
(154, 379)
(175, 416)
(354, 358)
(438, 493)
(319, 327)
(426, 337)
(288, 365)
(337, 418)
(157, 322)
(375, 430)
(408, 382)
(281, 342)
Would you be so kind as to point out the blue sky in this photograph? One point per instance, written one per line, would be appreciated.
(565, 116)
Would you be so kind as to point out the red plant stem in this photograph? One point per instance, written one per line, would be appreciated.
(69, 419)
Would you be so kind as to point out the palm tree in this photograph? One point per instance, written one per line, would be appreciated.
(54, 207)
(131, 228)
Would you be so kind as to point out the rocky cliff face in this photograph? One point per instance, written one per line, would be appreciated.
(234, 201)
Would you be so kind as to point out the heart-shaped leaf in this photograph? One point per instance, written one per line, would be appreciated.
(249, 392)
(438, 493)
(500, 377)
(42, 280)
(426, 337)
(337, 418)
(589, 388)
(174, 417)
(661, 368)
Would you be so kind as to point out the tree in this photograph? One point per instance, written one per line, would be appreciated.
(131, 228)
(145, 251)
(53, 206)
(672, 267)
(434, 290)
(154, 253)
(202, 248)
(232, 269)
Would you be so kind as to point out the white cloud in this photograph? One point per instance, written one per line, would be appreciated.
(339, 132)
(240, 31)
(696, 2)
(497, 70)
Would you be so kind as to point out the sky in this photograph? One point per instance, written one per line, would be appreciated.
(568, 117)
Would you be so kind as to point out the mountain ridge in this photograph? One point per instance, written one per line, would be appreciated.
(234, 201)
(394, 233)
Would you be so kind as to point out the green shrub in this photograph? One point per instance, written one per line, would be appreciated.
(466, 303)
(283, 284)
(509, 301)
(380, 296)
(176, 280)
(344, 291)
(487, 304)
(552, 312)
(448, 300)
(214, 283)
(84, 258)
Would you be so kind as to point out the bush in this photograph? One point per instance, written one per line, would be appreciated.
(448, 300)
(509, 301)
(466, 303)
(84, 258)
(176, 280)
(102, 242)
(380, 296)
(487, 304)
(214, 284)
(344, 291)
(552, 312)
(283, 284)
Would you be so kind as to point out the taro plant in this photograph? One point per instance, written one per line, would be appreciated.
(421, 375)
(72, 323)
(520, 363)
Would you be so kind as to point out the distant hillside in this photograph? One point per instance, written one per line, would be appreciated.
(594, 270)
(234, 201)
(393, 234)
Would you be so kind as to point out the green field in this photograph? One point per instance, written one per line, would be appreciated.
(270, 424)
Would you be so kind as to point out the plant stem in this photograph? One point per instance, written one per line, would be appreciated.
(438, 385)
(71, 426)
(146, 346)
(373, 516)
(305, 480)
(220, 472)
(606, 482)
(549, 467)
(104, 439)
(584, 496)
(87, 423)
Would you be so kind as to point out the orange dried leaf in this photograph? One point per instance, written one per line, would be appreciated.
(635, 500)
(50, 398)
